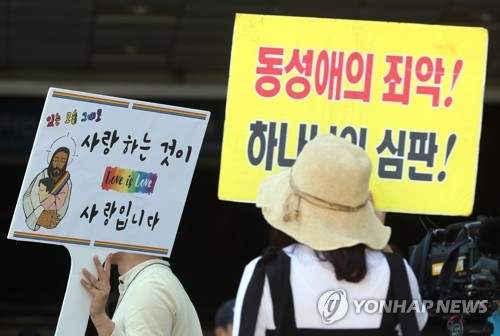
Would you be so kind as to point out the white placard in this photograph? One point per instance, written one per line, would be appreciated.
(108, 172)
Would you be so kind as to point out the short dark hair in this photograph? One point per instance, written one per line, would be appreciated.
(225, 313)
(48, 182)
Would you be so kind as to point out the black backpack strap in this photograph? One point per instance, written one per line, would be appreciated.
(253, 294)
(419, 257)
(402, 293)
(447, 275)
(278, 273)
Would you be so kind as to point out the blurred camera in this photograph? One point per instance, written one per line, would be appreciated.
(460, 264)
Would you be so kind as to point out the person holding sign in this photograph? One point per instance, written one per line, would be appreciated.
(49, 211)
(317, 285)
(152, 300)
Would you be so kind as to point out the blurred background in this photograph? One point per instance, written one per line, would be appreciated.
(177, 52)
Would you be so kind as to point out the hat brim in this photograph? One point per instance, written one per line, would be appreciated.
(322, 229)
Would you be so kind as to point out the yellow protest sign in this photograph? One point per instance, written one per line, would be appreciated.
(410, 94)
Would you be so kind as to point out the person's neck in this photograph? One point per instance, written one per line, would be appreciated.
(130, 260)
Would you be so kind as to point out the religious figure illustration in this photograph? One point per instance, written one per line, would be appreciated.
(46, 200)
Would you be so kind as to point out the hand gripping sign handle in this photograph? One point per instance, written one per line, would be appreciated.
(74, 315)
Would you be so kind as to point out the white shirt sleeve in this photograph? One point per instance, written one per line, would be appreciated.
(421, 314)
(245, 280)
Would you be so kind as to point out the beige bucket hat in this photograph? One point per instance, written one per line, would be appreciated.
(323, 201)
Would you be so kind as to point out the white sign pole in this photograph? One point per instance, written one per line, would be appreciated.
(74, 315)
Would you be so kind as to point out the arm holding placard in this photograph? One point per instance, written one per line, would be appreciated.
(99, 288)
(153, 300)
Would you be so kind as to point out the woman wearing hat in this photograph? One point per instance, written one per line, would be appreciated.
(335, 279)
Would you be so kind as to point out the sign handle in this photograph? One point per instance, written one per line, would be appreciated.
(74, 315)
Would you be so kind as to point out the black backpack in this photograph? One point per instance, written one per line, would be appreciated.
(275, 264)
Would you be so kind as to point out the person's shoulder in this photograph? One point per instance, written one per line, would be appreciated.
(157, 271)
(250, 266)
(160, 278)
(375, 258)
(294, 248)
(301, 253)
(378, 259)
